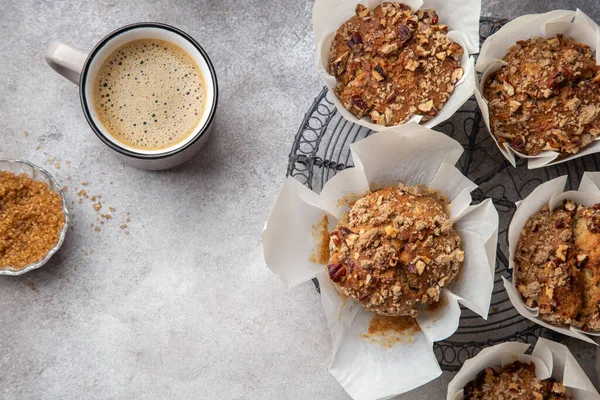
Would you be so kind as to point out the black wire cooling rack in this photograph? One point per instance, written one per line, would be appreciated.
(322, 148)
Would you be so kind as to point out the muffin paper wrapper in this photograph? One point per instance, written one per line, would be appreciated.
(551, 359)
(551, 193)
(570, 23)
(462, 18)
(411, 154)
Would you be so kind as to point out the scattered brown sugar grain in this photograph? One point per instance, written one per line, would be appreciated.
(31, 219)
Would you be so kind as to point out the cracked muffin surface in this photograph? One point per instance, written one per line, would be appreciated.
(395, 250)
(391, 63)
(557, 261)
(546, 98)
(514, 381)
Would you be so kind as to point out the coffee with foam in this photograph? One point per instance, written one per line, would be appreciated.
(149, 94)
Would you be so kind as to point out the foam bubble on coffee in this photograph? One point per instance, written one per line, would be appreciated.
(149, 94)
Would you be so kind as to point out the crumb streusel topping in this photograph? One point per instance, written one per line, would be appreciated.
(391, 64)
(394, 250)
(515, 381)
(546, 98)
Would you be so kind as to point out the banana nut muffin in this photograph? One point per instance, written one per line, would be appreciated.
(546, 98)
(391, 63)
(515, 381)
(587, 257)
(395, 250)
(545, 276)
(557, 263)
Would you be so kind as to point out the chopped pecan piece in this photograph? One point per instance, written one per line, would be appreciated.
(359, 103)
(339, 65)
(404, 33)
(355, 39)
(457, 74)
(426, 106)
(362, 11)
(336, 272)
(378, 73)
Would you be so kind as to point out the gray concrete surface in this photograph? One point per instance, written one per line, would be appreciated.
(182, 306)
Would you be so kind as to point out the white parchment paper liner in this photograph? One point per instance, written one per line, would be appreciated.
(414, 155)
(551, 359)
(462, 18)
(570, 23)
(552, 193)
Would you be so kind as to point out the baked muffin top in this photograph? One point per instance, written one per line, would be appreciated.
(394, 250)
(546, 98)
(557, 263)
(515, 381)
(391, 64)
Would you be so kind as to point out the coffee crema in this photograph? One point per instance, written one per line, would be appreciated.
(149, 94)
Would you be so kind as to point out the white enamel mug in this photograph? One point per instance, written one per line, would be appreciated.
(82, 68)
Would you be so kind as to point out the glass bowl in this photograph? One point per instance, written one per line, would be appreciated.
(39, 174)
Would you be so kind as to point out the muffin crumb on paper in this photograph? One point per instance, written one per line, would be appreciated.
(388, 331)
(320, 233)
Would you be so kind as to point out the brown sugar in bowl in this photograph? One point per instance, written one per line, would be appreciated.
(40, 253)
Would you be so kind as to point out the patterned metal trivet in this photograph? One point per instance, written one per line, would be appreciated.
(322, 148)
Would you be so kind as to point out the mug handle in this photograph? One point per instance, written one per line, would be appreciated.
(66, 60)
